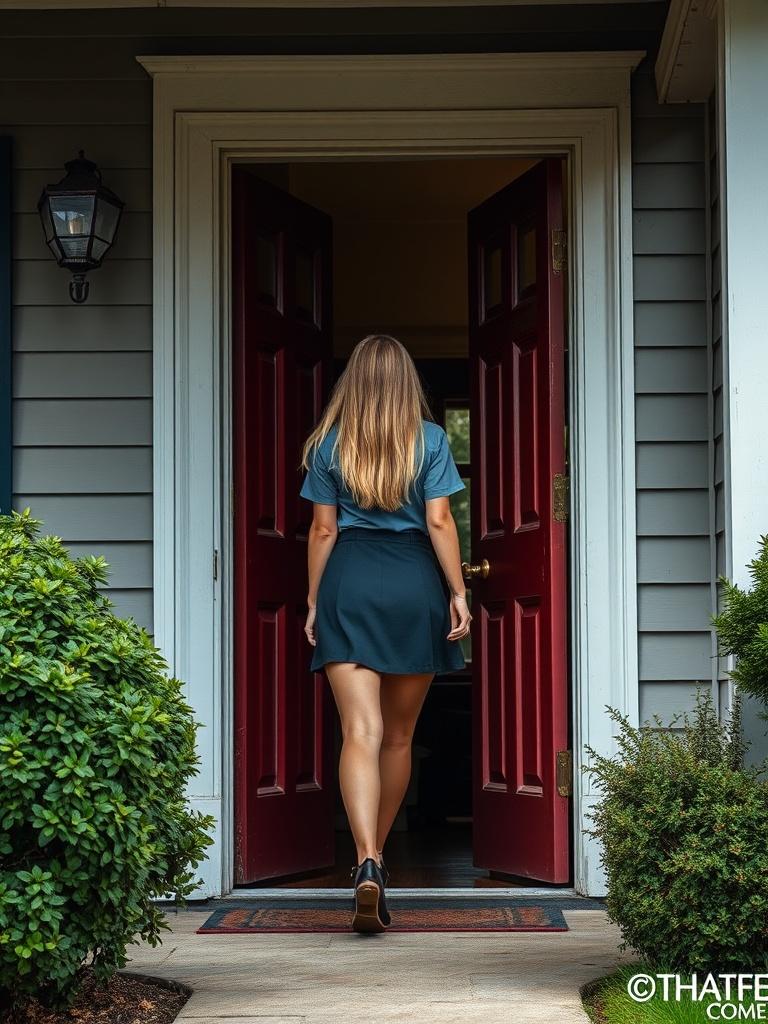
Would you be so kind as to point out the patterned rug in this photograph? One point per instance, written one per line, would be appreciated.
(409, 914)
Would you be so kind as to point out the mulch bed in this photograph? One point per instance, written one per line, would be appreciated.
(125, 999)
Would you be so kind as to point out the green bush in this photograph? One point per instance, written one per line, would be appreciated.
(683, 829)
(742, 627)
(96, 747)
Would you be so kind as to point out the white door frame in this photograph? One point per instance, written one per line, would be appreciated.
(210, 111)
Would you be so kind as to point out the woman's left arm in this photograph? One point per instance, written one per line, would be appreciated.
(322, 537)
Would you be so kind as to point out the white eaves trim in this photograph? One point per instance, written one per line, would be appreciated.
(685, 66)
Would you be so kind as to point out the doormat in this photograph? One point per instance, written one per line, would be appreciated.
(412, 914)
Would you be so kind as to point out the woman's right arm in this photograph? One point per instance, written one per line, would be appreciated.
(445, 541)
(321, 538)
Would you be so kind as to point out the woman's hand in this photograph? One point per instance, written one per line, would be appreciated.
(309, 626)
(460, 617)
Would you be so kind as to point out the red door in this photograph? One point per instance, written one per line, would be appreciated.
(281, 355)
(520, 709)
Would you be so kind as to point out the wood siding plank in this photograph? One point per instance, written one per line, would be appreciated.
(83, 470)
(671, 371)
(673, 514)
(675, 656)
(673, 232)
(670, 323)
(667, 700)
(83, 328)
(675, 140)
(672, 418)
(130, 565)
(670, 464)
(135, 604)
(670, 278)
(673, 607)
(117, 282)
(86, 421)
(92, 517)
(668, 186)
(65, 102)
(83, 375)
(110, 145)
(673, 560)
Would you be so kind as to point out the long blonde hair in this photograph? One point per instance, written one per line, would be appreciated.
(377, 405)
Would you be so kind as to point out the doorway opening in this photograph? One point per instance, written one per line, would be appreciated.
(400, 266)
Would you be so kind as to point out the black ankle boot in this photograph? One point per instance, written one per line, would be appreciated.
(370, 914)
(384, 871)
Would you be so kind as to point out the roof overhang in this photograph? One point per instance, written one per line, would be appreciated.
(685, 66)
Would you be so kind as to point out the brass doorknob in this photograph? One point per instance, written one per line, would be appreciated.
(472, 571)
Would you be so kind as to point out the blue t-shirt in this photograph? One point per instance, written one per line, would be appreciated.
(438, 477)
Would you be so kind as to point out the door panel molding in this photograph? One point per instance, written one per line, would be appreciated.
(206, 116)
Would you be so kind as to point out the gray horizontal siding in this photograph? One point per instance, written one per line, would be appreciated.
(673, 559)
(668, 701)
(673, 513)
(107, 470)
(130, 564)
(86, 328)
(113, 145)
(663, 417)
(91, 421)
(675, 655)
(670, 323)
(118, 282)
(668, 231)
(670, 464)
(83, 374)
(672, 404)
(92, 517)
(673, 371)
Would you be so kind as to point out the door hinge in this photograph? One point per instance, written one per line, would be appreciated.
(560, 495)
(564, 773)
(559, 250)
(215, 563)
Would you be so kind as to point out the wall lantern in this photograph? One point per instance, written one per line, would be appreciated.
(80, 218)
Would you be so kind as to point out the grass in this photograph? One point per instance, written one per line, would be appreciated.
(606, 1001)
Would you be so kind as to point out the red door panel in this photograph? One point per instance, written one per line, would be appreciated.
(284, 788)
(519, 641)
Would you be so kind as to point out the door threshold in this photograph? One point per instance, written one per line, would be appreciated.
(320, 894)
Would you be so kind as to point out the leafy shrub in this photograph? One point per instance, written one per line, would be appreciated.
(683, 829)
(96, 746)
(742, 627)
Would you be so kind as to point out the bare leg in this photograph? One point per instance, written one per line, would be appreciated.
(402, 698)
(356, 691)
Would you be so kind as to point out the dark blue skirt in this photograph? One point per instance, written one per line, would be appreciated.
(383, 602)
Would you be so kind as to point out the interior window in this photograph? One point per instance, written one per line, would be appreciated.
(457, 429)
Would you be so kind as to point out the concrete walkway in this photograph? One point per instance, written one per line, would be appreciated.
(428, 978)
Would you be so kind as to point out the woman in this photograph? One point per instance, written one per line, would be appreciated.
(387, 604)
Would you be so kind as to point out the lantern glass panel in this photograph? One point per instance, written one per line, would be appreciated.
(98, 249)
(72, 215)
(107, 216)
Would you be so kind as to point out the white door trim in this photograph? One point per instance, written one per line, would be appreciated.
(209, 112)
